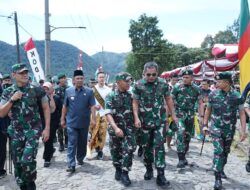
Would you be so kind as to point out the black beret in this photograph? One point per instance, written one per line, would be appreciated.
(78, 73)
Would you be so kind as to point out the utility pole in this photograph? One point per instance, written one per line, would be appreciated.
(47, 40)
(48, 31)
(17, 39)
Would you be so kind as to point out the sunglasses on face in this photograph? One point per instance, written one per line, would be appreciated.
(151, 74)
(23, 73)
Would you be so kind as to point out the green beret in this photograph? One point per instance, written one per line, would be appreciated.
(224, 76)
(6, 76)
(123, 76)
(61, 75)
(20, 67)
(187, 72)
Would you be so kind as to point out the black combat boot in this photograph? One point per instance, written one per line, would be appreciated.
(125, 178)
(218, 182)
(31, 186)
(149, 173)
(23, 187)
(61, 147)
(182, 160)
(248, 166)
(140, 151)
(118, 173)
(161, 179)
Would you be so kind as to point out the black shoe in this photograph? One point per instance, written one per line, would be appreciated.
(71, 169)
(223, 175)
(80, 162)
(100, 155)
(140, 151)
(46, 164)
(182, 163)
(185, 162)
(61, 148)
(248, 166)
(23, 187)
(218, 182)
(161, 179)
(3, 173)
(118, 173)
(31, 186)
(149, 173)
(125, 178)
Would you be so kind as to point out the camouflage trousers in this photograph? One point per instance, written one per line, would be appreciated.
(122, 149)
(62, 135)
(222, 140)
(138, 136)
(184, 133)
(24, 145)
(153, 146)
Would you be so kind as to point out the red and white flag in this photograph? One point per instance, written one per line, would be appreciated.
(34, 60)
(80, 63)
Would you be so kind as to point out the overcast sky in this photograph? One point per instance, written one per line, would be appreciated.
(107, 21)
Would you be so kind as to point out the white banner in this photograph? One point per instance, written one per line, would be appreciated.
(34, 60)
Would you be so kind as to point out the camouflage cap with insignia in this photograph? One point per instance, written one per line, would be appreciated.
(61, 75)
(224, 76)
(19, 67)
(187, 72)
(6, 76)
(123, 76)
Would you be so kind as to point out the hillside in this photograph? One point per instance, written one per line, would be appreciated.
(64, 58)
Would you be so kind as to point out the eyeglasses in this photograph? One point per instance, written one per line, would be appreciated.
(151, 74)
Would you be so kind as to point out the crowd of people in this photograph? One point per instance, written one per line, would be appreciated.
(147, 113)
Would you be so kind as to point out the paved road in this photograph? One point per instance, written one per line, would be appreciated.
(99, 175)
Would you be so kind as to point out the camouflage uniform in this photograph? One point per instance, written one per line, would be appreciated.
(61, 132)
(185, 97)
(223, 121)
(247, 105)
(152, 114)
(25, 130)
(119, 105)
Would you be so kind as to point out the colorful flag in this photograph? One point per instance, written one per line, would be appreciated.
(244, 45)
(80, 63)
(34, 60)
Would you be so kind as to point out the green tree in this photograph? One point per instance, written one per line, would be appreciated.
(147, 45)
(225, 37)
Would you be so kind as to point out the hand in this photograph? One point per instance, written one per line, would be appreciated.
(137, 123)
(205, 130)
(119, 132)
(63, 123)
(17, 96)
(97, 107)
(45, 135)
(243, 135)
(93, 122)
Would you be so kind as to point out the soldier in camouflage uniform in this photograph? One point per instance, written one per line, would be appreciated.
(223, 117)
(62, 132)
(185, 96)
(121, 127)
(149, 97)
(21, 99)
(247, 109)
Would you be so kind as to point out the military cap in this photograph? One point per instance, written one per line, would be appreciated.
(224, 76)
(187, 72)
(61, 75)
(19, 67)
(123, 76)
(6, 76)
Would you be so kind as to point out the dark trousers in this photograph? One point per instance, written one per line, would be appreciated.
(3, 142)
(48, 146)
(77, 145)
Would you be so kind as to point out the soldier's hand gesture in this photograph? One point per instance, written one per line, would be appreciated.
(243, 135)
(17, 96)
